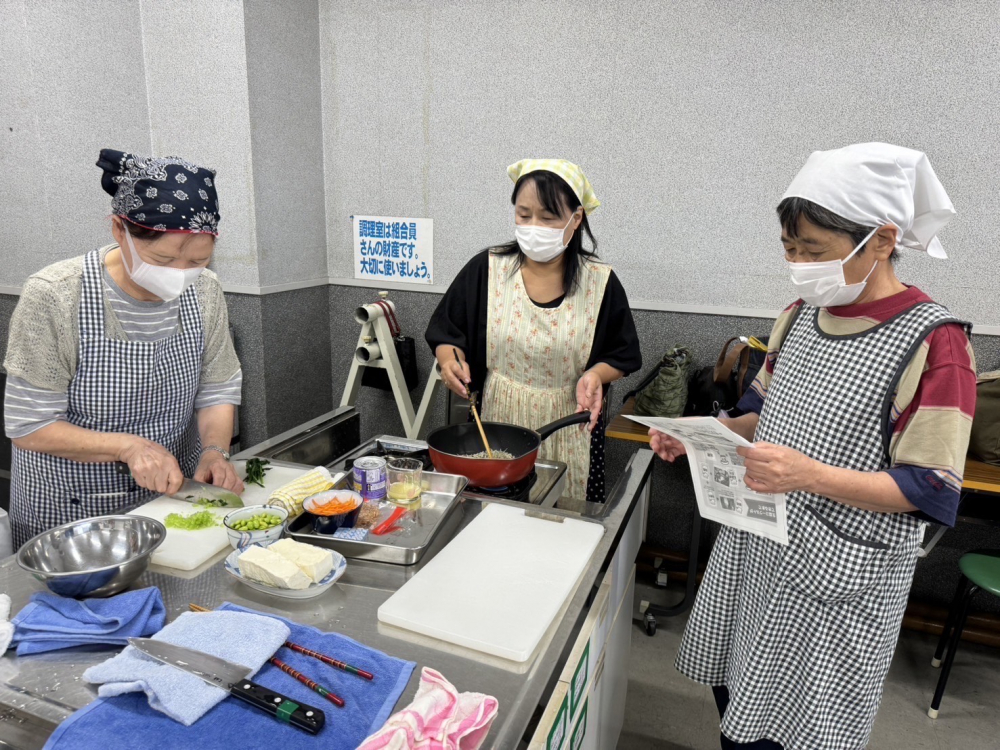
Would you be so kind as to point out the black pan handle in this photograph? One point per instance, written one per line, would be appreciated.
(580, 418)
(277, 705)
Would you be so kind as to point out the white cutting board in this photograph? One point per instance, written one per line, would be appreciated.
(497, 586)
(186, 550)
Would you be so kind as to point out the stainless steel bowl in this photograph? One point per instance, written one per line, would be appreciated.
(96, 557)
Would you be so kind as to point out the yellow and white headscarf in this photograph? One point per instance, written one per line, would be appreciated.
(570, 172)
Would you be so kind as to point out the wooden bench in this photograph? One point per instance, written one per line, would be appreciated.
(978, 477)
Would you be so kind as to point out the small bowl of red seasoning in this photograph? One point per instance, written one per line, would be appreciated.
(333, 509)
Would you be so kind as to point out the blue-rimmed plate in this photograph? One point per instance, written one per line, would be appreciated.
(315, 589)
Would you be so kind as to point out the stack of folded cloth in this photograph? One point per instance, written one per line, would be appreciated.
(292, 495)
(49, 622)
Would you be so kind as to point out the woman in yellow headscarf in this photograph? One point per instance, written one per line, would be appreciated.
(540, 325)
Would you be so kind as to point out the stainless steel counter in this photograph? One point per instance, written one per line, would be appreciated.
(49, 686)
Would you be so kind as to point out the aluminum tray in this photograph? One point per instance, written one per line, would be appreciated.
(439, 514)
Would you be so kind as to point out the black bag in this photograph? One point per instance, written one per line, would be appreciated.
(719, 388)
(406, 352)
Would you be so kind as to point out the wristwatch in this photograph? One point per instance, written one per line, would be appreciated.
(223, 451)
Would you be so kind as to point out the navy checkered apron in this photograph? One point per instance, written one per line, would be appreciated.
(145, 389)
(803, 634)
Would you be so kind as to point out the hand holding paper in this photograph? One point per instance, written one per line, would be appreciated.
(774, 468)
(721, 484)
(665, 446)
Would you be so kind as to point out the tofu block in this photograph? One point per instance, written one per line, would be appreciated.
(315, 562)
(263, 565)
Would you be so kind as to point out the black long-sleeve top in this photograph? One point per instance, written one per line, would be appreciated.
(460, 321)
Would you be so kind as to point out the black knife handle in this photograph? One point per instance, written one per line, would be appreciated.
(284, 709)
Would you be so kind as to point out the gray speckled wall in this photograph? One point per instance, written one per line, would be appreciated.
(296, 333)
(689, 117)
(245, 321)
(282, 57)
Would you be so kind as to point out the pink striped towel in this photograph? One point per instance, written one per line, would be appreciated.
(439, 718)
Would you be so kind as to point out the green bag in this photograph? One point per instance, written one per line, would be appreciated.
(984, 442)
(666, 393)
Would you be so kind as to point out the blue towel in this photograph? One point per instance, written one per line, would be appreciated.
(49, 622)
(110, 723)
(238, 637)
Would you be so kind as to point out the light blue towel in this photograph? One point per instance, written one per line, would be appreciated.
(239, 637)
(49, 622)
(116, 723)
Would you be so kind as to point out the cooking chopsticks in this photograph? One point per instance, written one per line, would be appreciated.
(328, 660)
(311, 684)
(333, 697)
(479, 424)
(475, 412)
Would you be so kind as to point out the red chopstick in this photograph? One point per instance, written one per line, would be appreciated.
(327, 660)
(311, 684)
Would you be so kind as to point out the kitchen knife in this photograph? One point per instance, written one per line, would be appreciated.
(233, 677)
(192, 491)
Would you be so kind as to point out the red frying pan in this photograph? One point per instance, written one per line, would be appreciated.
(451, 446)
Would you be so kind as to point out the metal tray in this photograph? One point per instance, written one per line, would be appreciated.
(439, 514)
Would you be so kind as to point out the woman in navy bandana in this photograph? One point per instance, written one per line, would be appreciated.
(123, 356)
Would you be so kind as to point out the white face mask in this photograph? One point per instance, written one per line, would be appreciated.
(541, 244)
(823, 284)
(165, 283)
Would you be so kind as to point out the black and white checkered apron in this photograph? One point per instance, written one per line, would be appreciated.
(803, 634)
(145, 389)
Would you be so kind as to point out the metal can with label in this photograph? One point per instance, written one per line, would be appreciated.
(370, 478)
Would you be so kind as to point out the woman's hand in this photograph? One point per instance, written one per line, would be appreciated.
(152, 466)
(774, 468)
(666, 446)
(455, 374)
(590, 397)
(213, 468)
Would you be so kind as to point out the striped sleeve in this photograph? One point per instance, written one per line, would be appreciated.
(27, 408)
(753, 399)
(214, 394)
(932, 413)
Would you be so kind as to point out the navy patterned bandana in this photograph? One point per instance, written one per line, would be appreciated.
(166, 194)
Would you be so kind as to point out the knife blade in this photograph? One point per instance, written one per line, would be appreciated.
(233, 678)
(192, 491)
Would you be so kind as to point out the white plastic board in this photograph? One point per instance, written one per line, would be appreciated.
(497, 586)
(186, 550)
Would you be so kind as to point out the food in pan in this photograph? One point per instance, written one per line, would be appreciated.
(499, 455)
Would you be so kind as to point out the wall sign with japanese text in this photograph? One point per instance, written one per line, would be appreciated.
(391, 248)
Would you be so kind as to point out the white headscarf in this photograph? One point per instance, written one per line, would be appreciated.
(875, 184)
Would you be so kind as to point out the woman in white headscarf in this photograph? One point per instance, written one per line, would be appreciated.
(862, 416)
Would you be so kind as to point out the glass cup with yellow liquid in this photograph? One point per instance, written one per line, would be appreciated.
(404, 475)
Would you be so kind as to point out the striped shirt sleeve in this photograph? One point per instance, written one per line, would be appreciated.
(932, 415)
(214, 394)
(27, 408)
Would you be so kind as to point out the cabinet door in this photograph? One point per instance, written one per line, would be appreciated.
(615, 673)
